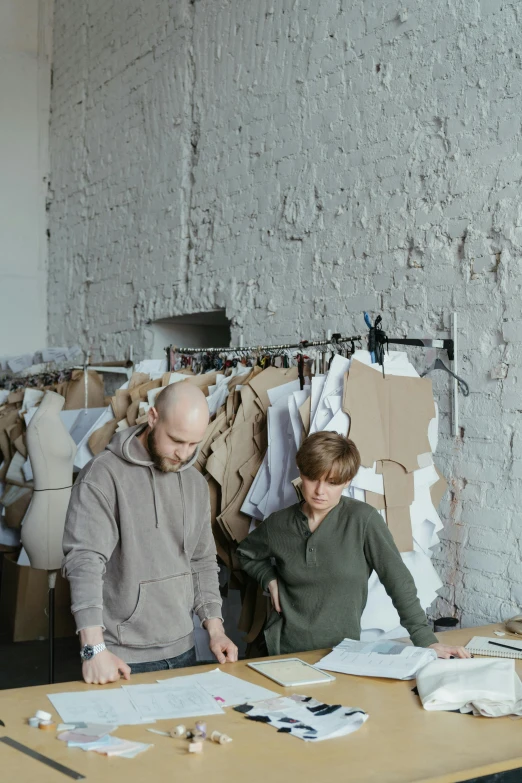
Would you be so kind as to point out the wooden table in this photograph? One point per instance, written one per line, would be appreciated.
(400, 742)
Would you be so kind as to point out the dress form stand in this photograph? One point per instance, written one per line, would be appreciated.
(51, 451)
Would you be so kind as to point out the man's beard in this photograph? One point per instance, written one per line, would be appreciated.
(160, 461)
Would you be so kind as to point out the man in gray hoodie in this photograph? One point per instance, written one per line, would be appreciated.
(139, 551)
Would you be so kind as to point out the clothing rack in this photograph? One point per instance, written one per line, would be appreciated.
(336, 338)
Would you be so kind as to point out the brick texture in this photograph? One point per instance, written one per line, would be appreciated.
(296, 163)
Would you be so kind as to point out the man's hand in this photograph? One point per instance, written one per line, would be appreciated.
(273, 589)
(103, 668)
(221, 646)
(447, 651)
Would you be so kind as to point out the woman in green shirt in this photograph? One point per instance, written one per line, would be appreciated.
(316, 557)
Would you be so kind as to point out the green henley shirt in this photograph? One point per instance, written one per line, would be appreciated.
(323, 576)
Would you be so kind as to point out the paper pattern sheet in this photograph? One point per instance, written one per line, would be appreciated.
(97, 706)
(377, 659)
(174, 699)
(226, 689)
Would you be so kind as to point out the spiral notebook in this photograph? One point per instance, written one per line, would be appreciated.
(480, 645)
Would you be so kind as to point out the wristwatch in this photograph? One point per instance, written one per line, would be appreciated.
(88, 651)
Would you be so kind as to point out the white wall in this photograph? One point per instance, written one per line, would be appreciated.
(296, 163)
(25, 45)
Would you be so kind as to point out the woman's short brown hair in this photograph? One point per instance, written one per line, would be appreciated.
(328, 454)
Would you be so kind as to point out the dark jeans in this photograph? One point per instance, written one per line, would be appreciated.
(185, 659)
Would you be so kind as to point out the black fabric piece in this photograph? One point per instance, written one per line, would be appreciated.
(288, 720)
(325, 709)
(260, 718)
(355, 712)
(284, 730)
(307, 699)
(415, 691)
(244, 708)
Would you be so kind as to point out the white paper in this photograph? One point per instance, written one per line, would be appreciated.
(84, 454)
(97, 706)
(226, 689)
(377, 659)
(19, 363)
(9, 536)
(152, 366)
(172, 700)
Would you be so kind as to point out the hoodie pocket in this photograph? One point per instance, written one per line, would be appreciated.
(163, 614)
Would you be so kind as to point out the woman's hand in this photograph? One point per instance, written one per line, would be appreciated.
(274, 595)
(447, 651)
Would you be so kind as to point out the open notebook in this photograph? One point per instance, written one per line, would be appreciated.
(480, 645)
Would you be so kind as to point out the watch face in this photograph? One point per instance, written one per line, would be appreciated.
(87, 652)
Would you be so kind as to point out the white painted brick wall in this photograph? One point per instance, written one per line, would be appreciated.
(296, 163)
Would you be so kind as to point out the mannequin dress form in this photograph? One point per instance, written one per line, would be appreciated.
(51, 451)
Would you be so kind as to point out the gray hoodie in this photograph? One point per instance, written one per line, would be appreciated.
(139, 552)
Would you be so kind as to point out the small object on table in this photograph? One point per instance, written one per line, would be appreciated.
(219, 738)
(179, 731)
(196, 746)
(47, 725)
(162, 733)
(2, 723)
(40, 757)
(201, 729)
(189, 735)
(34, 722)
(42, 715)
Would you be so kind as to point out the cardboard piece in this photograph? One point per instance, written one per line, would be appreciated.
(132, 412)
(305, 412)
(75, 394)
(375, 500)
(269, 379)
(24, 604)
(398, 496)
(140, 392)
(100, 438)
(137, 378)
(120, 403)
(399, 524)
(438, 490)
(389, 417)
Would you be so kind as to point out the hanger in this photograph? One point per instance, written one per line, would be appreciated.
(438, 364)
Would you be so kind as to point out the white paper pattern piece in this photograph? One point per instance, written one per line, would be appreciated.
(172, 700)
(100, 706)
(377, 659)
(226, 689)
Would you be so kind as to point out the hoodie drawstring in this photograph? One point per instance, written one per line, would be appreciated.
(154, 495)
(184, 520)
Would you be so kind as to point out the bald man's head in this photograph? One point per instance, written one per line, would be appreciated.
(177, 425)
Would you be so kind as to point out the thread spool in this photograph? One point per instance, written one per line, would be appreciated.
(196, 746)
(179, 731)
(219, 738)
(47, 725)
(34, 722)
(42, 715)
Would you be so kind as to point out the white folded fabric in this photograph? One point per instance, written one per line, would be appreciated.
(485, 686)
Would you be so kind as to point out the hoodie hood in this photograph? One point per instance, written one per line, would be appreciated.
(126, 446)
